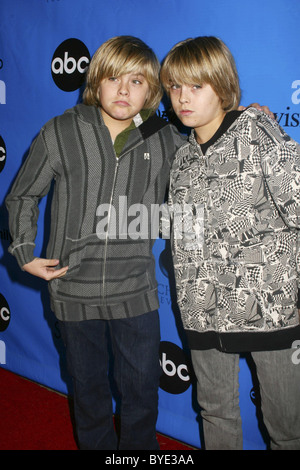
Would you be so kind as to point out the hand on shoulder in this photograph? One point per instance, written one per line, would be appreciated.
(265, 109)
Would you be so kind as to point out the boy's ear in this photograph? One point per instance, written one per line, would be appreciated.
(98, 95)
(147, 98)
(148, 94)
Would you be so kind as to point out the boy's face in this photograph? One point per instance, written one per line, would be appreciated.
(123, 97)
(198, 107)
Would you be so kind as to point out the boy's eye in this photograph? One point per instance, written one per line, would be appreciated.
(138, 79)
(174, 86)
(197, 87)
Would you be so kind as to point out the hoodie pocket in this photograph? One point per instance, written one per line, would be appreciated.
(103, 273)
(128, 269)
(82, 281)
(84, 257)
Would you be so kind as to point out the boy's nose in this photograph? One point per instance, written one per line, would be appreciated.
(123, 89)
(183, 97)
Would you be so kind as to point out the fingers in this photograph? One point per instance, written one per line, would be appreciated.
(45, 268)
(59, 272)
(263, 108)
(48, 262)
(267, 111)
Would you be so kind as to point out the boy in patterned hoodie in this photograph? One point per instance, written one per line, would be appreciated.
(235, 199)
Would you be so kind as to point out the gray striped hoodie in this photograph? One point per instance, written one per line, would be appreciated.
(110, 271)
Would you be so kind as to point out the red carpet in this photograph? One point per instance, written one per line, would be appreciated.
(35, 418)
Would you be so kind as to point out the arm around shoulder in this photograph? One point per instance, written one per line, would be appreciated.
(280, 159)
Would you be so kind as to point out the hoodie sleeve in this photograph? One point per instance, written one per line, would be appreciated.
(32, 183)
(280, 160)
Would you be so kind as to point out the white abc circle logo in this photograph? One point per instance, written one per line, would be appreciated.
(4, 313)
(176, 377)
(69, 64)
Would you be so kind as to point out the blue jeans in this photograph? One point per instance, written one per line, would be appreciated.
(135, 343)
(218, 396)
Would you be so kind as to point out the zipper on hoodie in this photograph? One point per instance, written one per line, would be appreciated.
(108, 222)
(109, 213)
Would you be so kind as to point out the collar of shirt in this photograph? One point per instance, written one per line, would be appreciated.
(122, 138)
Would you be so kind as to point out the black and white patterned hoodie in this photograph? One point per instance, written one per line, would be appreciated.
(235, 213)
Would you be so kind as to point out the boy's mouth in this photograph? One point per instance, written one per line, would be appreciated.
(121, 103)
(185, 112)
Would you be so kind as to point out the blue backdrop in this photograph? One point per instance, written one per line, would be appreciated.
(45, 46)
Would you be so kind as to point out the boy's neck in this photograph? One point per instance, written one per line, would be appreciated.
(115, 126)
(205, 133)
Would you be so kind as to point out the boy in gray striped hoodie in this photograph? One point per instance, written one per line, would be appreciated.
(108, 156)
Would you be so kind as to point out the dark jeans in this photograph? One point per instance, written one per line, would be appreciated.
(135, 343)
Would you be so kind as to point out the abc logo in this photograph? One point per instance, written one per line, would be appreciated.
(165, 261)
(4, 313)
(2, 154)
(175, 378)
(69, 64)
(255, 396)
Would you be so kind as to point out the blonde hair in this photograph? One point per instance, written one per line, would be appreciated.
(118, 56)
(203, 60)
